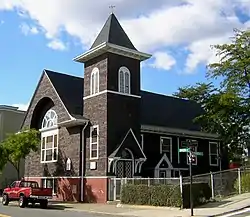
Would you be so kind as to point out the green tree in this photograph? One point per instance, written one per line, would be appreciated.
(17, 146)
(226, 108)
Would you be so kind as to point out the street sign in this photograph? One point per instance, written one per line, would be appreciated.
(198, 153)
(184, 150)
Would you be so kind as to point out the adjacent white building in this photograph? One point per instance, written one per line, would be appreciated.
(10, 122)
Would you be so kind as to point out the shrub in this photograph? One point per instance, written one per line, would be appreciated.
(156, 195)
(245, 183)
(165, 195)
(135, 194)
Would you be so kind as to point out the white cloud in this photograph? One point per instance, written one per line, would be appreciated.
(163, 60)
(1, 22)
(26, 29)
(201, 52)
(151, 25)
(23, 107)
(57, 45)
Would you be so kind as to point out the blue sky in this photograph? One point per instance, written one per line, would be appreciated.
(33, 37)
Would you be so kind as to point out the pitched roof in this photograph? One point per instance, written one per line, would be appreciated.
(70, 90)
(113, 33)
(156, 109)
(168, 111)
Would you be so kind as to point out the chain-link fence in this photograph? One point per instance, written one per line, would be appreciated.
(223, 183)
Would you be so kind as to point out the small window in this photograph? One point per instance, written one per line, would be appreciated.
(124, 80)
(166, 147)
(94, 81)
(213, 154)
(94, 143)
(50, 183)
(68, 164)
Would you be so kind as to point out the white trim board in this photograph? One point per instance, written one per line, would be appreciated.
(112, 48)
(110, 91)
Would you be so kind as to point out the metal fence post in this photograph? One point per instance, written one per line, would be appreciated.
(148, 181)
(212, 183)
(114, 189)
(239, 179)
(181, 182)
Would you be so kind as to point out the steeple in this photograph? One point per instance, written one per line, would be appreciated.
(112, 39)
(112, 32)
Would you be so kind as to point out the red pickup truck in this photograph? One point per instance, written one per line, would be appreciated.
(26, 192)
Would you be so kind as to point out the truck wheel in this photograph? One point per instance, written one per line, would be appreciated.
(22, 201)
(5, 200)
(44, 204)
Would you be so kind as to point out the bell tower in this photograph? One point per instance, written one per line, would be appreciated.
(111, 97)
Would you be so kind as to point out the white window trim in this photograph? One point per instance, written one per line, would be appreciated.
(142, 141)
(178, 146)
(46, 134)
(97, 142)
(171, 146)
(196, 161)
(94, 71)
(53, 184)
(217, 153)
(124, 70)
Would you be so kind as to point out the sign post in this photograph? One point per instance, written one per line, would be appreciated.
(190, 150)
(191, 181)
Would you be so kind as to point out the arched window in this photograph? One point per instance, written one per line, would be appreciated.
(94, 81)
(124, 80)
(49, 120)
(49, 137)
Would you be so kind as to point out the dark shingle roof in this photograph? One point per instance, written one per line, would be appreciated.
(168, 111)
(113, 33)
(156, 109)
(70, 90)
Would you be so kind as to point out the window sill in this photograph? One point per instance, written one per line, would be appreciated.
(44, 162)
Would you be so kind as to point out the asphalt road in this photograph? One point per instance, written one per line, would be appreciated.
(242, 213)
(53, 211)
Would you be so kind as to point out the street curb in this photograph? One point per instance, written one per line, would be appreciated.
(229, 212)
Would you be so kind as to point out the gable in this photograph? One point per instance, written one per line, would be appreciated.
(164, 163)
(70, 90)
(129, 142)
(44, 98)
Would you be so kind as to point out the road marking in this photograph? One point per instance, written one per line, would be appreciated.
(2, 215)
(237, 213)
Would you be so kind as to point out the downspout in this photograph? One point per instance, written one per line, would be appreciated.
(82, 169)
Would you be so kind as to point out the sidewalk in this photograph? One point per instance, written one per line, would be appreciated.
(212, 209)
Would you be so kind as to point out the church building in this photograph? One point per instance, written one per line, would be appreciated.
(102, 125)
